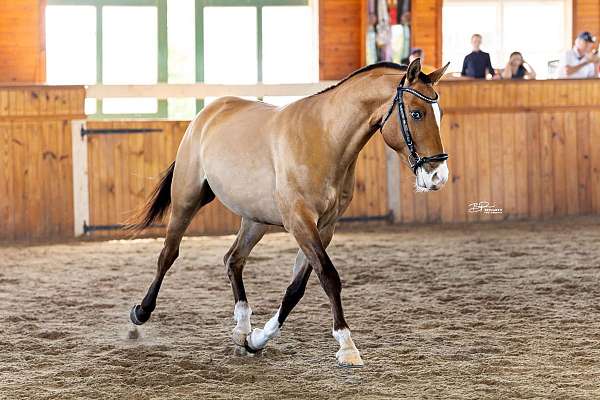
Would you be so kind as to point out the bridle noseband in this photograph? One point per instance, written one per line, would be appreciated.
(414, 159)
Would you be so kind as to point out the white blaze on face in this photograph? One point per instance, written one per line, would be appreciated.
(438, 114)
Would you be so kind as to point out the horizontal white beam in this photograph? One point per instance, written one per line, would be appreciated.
(202, 90)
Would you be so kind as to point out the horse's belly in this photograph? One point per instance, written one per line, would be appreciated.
(246, 188)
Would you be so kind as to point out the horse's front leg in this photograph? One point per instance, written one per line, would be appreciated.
(304, 228)
(302, 224)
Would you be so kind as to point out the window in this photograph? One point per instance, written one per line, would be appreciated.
(540, 30)
(178, 41)
(265, 46)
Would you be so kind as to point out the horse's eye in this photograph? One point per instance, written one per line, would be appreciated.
(417, 115)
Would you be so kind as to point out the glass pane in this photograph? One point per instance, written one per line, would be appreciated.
(181, 39)
(182, 54)
(182, 108)
(129, 45)
(230, 45)
(461, 19)
(549, 23)
(90, 106)
(288, 45)
(71, 44)
(129, 54)
(127, 105)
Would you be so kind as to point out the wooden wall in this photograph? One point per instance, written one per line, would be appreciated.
(123, 170)
(340, 38)
(36, 189)
(586, 16)
(426, 25)
(530, 148)
(22, 43)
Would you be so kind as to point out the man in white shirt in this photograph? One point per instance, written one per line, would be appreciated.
(580, 61)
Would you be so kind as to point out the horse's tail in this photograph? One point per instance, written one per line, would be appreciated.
(156, 205)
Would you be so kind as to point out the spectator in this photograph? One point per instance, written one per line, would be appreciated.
(419, 53)
(477, 64)
(517, 68)
(580, 61)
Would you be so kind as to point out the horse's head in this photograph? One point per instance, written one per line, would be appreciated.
(414, 127)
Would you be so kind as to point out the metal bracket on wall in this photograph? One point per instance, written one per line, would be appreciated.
(88, 132)
(389, 217)
(115, 227)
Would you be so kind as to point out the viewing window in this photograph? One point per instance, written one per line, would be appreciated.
(540, 30)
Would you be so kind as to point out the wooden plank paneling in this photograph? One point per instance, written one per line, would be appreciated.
(595, 160)
(584, 192)
(22, 43)
(124, 169)
(426, 25)
(533, 156)
(527, 147)
(35, 157)
(586, 16)
(340, 37)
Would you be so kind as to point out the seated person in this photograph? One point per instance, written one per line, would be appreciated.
(477, 64)
(517, 68)
(419, 53)
(581, 61)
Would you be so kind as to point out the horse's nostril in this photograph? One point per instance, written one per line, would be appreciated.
(435, 179)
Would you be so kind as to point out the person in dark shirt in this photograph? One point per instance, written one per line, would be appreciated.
(477, 64)
(517, 68)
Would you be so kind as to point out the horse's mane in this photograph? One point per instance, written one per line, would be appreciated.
(383, 64)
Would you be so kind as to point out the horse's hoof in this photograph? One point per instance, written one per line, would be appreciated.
(239, 337)
(240, 351)
(349, 358)
(138, 316)
(249, 349)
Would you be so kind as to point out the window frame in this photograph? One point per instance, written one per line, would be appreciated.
(199, 25)
(162, 50)
(162, 41)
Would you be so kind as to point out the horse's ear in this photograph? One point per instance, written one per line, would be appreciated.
(413, 71)
(436, 75)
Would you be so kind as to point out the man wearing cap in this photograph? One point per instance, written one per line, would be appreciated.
(580, 61)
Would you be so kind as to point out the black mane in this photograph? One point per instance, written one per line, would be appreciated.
(383, 64)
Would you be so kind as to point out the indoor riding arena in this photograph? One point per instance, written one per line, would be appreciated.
(172, 172)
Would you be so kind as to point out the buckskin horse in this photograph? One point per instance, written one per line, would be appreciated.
(293, 167)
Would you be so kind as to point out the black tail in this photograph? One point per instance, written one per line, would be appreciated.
(156, 205)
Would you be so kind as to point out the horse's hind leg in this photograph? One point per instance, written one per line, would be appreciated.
(187, 199)
(248, 236)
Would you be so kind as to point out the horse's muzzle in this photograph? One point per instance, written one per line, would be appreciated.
(432, 180)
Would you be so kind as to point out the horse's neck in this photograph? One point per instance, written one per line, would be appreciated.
(351, 115)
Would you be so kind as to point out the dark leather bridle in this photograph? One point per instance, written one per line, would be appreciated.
(414, 159)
